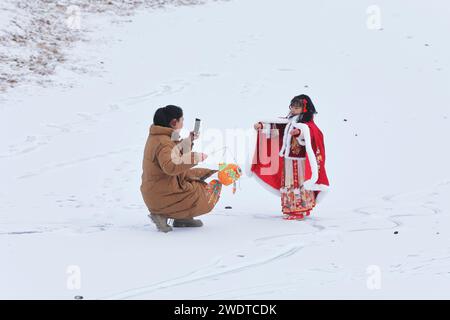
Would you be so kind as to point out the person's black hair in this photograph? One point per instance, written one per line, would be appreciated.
(311, 109)
(163, 116)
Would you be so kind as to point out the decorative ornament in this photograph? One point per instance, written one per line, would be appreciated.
(229, 174)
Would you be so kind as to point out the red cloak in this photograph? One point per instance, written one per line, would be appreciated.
(274, 146)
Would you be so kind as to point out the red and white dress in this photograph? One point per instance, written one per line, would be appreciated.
(292, 166)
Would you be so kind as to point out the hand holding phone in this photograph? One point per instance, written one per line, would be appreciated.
(196, 132)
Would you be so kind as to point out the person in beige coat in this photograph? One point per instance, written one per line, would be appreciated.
(172, 188)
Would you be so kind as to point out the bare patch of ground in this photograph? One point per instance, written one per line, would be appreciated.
(35, 34)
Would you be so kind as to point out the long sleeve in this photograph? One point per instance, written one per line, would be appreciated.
(185, 145)
(172, 163)
(200, 173)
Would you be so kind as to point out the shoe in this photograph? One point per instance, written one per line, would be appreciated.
(297, 217)
(187, 223)
(160, 222)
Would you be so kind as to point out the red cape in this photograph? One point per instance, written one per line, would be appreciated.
(268, 161)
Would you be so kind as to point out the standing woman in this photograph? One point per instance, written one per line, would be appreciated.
(171, 187)
(296, 145)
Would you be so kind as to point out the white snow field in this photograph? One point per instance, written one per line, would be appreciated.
(72, 220)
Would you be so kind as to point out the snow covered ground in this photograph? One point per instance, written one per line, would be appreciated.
(72, 221)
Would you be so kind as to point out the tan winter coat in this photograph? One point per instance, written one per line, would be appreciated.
(170, 185)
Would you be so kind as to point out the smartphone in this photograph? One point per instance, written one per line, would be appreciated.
(197, 126)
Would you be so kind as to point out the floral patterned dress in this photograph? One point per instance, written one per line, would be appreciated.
(295, 200)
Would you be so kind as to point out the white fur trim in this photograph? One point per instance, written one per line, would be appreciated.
(310, 184)
(283, 147)
(301, 140)
(284, 152)
(316, 187)
(321, 196)
(272, 190)
(275, 120)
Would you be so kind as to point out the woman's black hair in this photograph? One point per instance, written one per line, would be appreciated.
(311, 110)
(163, 116)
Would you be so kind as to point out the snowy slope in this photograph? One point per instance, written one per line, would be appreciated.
(70, 156)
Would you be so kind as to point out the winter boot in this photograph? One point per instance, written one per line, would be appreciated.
(187, 223)
(160, 222)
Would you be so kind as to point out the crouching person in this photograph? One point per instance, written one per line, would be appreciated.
(171, 187)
